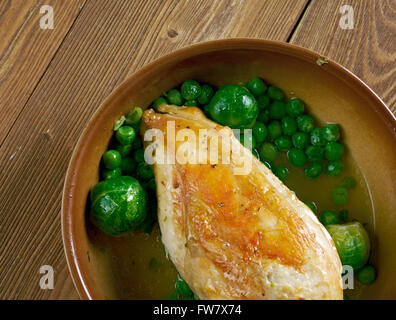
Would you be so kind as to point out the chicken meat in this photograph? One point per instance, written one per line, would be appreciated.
(234, 235)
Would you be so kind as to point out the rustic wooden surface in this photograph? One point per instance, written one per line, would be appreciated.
(51, 82)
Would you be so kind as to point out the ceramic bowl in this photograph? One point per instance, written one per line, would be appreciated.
(369, 130)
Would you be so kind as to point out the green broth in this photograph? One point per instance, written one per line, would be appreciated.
(139, 265)
(319, 190)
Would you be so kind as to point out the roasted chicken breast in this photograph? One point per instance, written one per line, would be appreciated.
(237, 236)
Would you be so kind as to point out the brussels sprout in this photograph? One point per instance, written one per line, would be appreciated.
(233, 106)
(118, 205)
(352, 243)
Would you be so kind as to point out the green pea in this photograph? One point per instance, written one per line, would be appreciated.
(111, 173)
(295, 107)
(144, 171)
(277, 110)
(174, 97)
(339, 195)
(190, 90)
(312, 206)
(263, 116)
(268, 152)
(282, 173)
(128, 165)
(348, 182)
(313, 170)
(257, 86)
(137, 143)
(260, 131)
(123, 149)
(139, 155)
(136, 125)
(331, 132)
(283, 143)
(296, 157)
(158, 102)
(275, 93)
(134, 116)
(206, 94)
(314, 153)
(206, 110)
(125, 135)
(275, 129)
(317, 137)
(111, 159)
(334, 168)
(289, 126)
(191, 103)
(366, 275)
(151, 185)
(328, 217)
(334, 151)
(300, 140)
(247, 140)
(344, 215)
(305, 123)
(263, 101)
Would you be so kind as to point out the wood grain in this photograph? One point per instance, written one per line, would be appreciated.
(368, 50)
(26, 50)
(108, 41)
(67, 72)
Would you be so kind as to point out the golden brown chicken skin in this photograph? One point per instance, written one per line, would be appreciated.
(238, 236)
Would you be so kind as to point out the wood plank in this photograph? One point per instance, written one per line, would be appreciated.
(217, 20)
(368, 50)
(109, 40)
(26, 50)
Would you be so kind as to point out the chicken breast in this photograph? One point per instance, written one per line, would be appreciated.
(236, 236)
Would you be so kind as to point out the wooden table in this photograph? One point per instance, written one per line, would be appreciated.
(52, 80)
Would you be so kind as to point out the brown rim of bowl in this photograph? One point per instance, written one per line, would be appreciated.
(198, 48)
